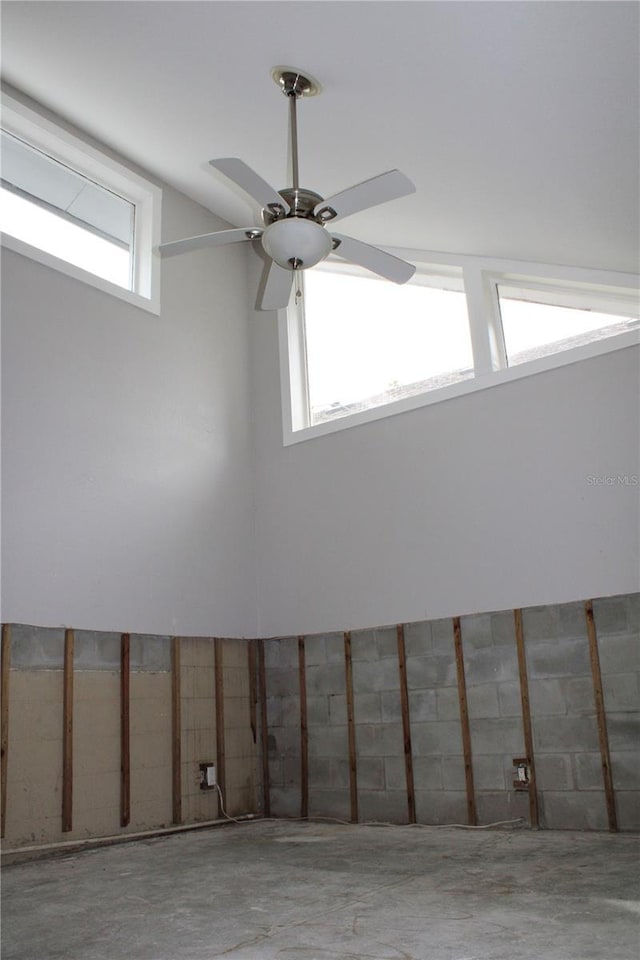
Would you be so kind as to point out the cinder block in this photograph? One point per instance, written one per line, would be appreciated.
(236, 682)
(427, 773)
(315, 651)
(633, 612)
(284, 802)
(623, 730)
(292, 771)
(334, 644)
(574, 811)
(382, 806)
(329, 678)
(503, 628)
(363, 646)
(417, 638)
(150, 653)
(621, 692)
(96, 651)
(391, 706)
(625, 768)
(36, 647)
(339, 774)
(580, 696)
(379, 740)
(318, 711)
(329, 742)
(497, 736)
(453, 775)
(386, 640)
(366, 708)
(488, 772)
(271, 653)
(571, 620)
(509, 698)
(34, 719)
(436, 806)
(284, 742)
(538, 623)
(476, 630)
(554, 772)
(448, 704)
(281, 653)
(443, 737)
(565, 735)
(369, 677)
(320, 772)
(330, 803)
(619, 654)
(483, 701)
(281, 682)
(423, 705)
(552, 659)
(442, 636)
(611, 614)
(547, 698)
(291, 712)
(235, 653)
(370, 773)
(395, 773)
(490, 664)
(628, 809)
(337, 709)
(438, 670)
(504, 805)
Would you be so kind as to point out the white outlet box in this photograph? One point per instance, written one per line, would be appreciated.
(208, 776)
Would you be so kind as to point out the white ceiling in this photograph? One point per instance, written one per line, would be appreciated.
(517, 121)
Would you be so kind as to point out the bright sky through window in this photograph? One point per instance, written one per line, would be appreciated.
(369, 337)
(39, 227)
(534, 330)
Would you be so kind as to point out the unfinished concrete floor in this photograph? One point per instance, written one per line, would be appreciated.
(309, 891)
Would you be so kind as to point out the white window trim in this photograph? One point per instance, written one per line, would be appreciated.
(45, 135)
(481, 277)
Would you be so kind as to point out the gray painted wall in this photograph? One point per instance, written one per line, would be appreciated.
(127, 495)
(566, 748)
(477, 503)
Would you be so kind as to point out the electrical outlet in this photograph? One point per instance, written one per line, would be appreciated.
(208, 779)
(523, 773)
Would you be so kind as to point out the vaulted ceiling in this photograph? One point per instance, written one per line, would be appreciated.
(518, 122)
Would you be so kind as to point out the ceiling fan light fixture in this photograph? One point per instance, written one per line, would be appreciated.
(296, 239)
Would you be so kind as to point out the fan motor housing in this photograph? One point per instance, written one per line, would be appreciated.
(301, 202)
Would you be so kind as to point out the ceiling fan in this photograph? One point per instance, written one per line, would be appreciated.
(294, 235)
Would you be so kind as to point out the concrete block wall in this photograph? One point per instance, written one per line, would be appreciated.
(434, 709)
(283, 725)
(241, 751)
(617, 621)
(198, 740)
(35, 727)
(495, 713)
(567, 756)
(382, 793)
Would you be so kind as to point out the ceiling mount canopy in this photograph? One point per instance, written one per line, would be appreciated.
(294, 235)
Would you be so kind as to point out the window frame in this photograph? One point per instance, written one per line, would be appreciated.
(480, 277)
(50, 138)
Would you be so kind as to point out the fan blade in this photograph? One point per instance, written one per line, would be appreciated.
(249, 181)
(277, 288)
(374, 259)
(369, 193)
(217, 239)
